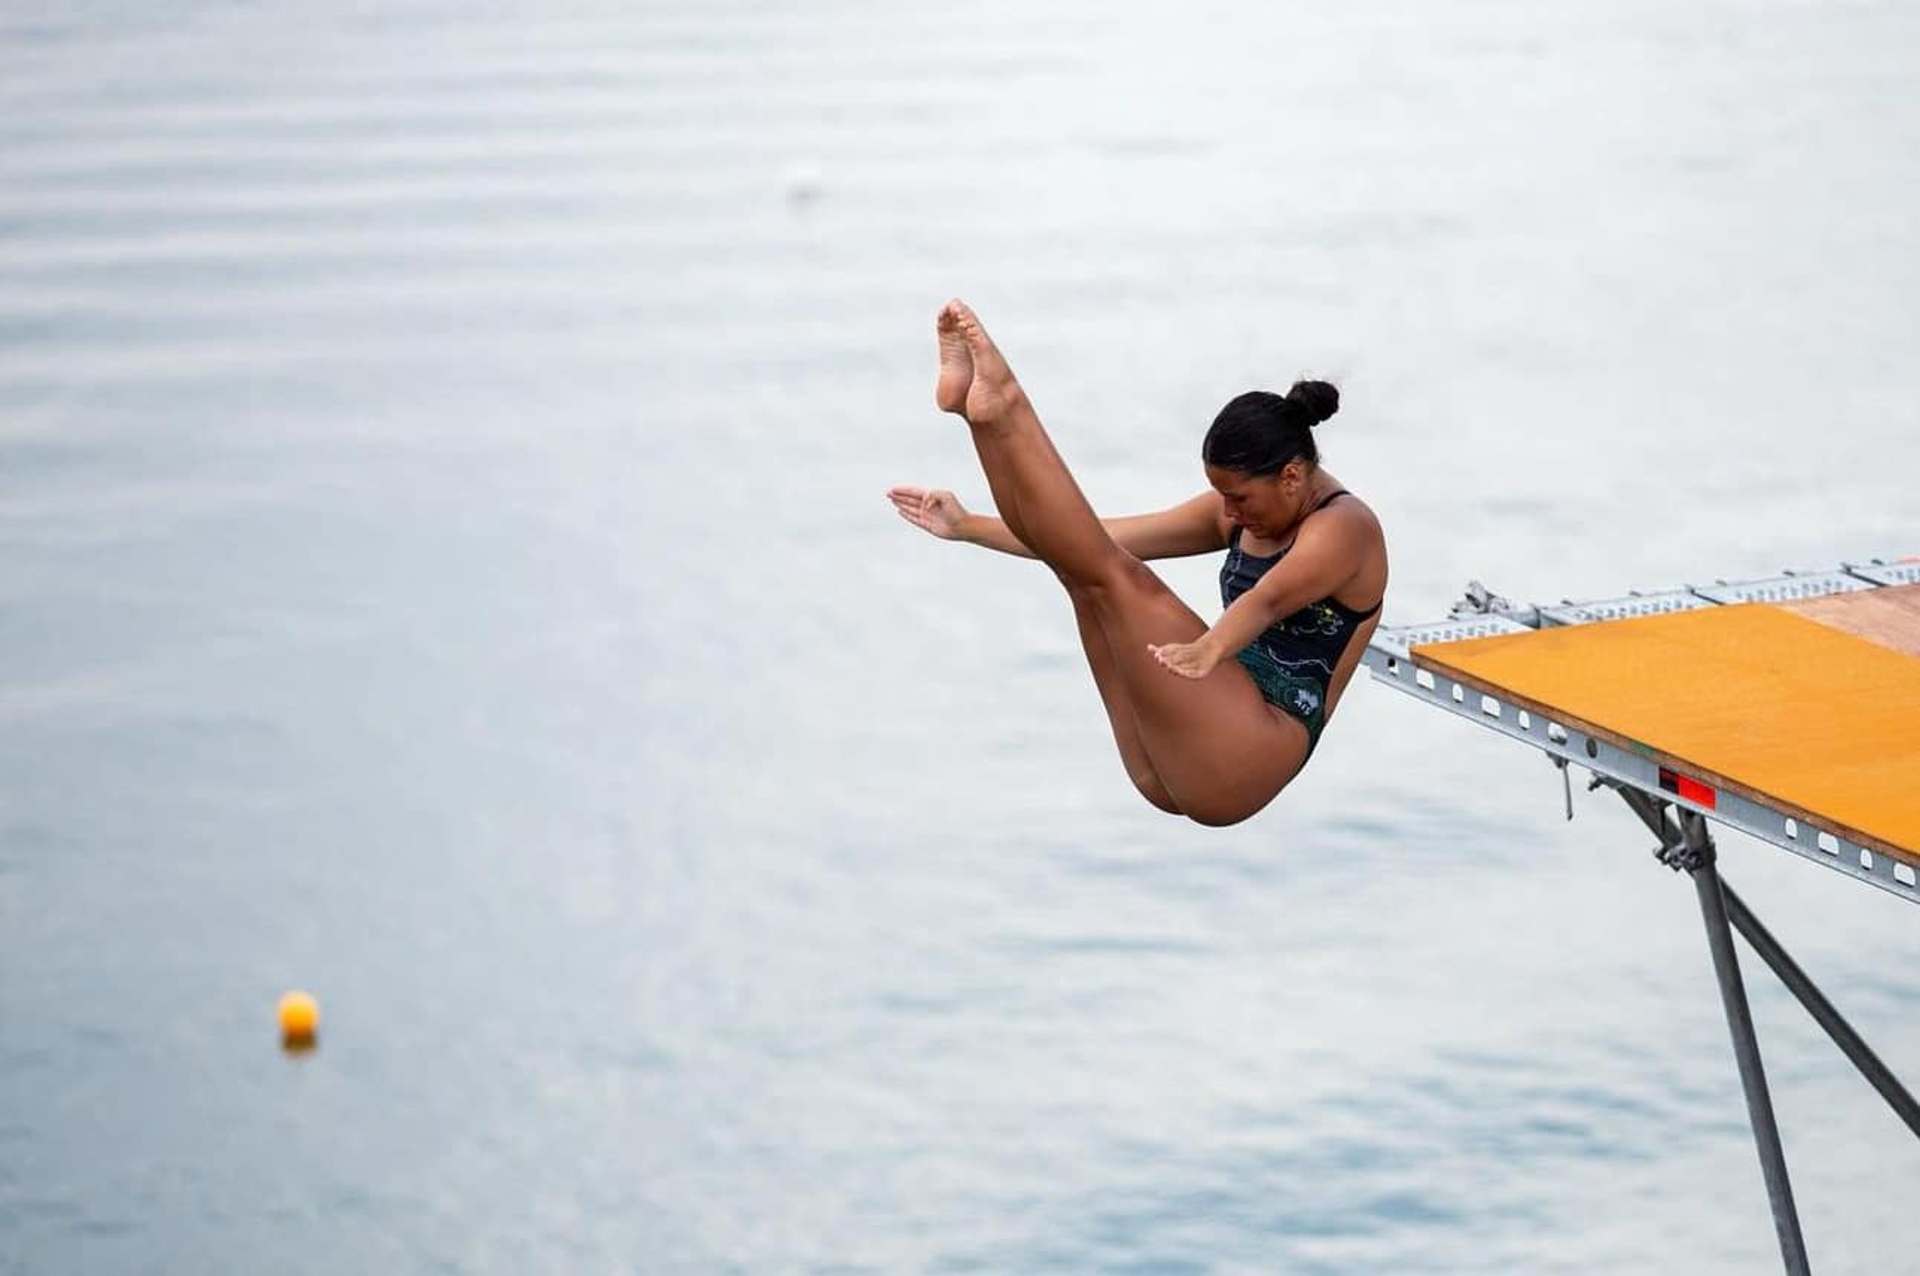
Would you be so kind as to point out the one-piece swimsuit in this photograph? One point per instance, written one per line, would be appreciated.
(1293, 660)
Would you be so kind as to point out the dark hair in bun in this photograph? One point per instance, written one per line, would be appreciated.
(1259, 432)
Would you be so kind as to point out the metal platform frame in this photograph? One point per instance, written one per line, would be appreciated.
(1677, 809)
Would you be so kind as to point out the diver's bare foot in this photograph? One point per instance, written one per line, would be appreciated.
(956, 362)
(993, 392)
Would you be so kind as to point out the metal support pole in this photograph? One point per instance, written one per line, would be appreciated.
(1876, 1072)
(1746, 1050)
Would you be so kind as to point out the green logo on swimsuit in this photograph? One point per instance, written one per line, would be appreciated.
(1315, 618)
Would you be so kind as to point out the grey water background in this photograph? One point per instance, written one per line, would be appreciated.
(444, 565)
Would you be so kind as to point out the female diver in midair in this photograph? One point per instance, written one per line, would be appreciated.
(1211, 722)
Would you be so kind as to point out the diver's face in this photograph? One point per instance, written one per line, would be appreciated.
(1265, 506)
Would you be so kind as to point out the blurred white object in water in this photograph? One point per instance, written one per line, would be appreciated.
(803, 182)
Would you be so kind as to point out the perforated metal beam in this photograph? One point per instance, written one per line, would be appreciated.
(1906, 572)
(1770, 824)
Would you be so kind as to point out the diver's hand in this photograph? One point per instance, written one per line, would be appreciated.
(937, 511)
(1188, 659)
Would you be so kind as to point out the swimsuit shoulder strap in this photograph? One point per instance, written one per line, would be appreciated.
(1359, 617)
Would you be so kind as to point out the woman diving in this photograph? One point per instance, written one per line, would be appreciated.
(1211, 722)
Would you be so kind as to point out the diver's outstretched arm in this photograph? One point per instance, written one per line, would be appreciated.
(939, 512)
(1191, 527)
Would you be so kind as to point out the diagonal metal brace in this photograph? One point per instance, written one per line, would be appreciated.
(1878, 1075)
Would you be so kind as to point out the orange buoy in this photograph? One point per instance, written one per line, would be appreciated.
(299, 1018)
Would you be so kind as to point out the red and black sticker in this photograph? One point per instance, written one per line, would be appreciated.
(1689, 788)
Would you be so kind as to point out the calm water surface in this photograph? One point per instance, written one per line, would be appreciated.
(444, 564)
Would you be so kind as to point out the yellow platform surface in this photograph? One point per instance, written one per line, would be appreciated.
(1813, 707)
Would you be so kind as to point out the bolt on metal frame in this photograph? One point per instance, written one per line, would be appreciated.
(1680, 823)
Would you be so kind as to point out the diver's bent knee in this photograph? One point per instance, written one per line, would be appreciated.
(1117, 574)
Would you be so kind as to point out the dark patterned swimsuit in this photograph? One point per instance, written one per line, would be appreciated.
(1293, 660)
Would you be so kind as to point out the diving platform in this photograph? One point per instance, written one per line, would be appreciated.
(1786, 707)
